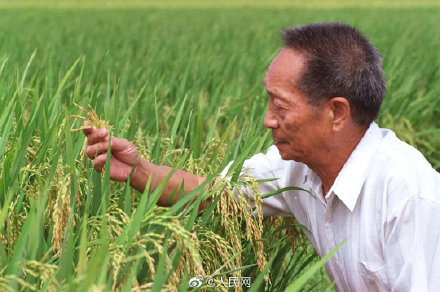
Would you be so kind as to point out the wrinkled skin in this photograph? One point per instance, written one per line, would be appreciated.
(124, 155)
(299, 130)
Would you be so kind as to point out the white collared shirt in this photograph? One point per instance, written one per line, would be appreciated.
(385, 203)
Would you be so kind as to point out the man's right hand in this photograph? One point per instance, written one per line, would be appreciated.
(124, 155)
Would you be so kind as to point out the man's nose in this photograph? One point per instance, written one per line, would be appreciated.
(269, 120)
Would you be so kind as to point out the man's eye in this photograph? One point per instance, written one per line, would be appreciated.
(278, 107)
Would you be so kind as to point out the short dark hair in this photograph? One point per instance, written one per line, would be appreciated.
(340, 61)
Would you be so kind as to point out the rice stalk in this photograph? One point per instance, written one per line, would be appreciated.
(39, 272)
(14, 223)
(61, 211)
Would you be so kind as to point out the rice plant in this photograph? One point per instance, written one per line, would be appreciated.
(185, 85)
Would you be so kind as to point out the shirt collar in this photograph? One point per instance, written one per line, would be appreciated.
(348, 183)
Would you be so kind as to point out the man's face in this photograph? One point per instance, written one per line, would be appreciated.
(299, 130)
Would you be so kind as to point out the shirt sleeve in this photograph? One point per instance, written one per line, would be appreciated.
(266, 166)
(412, 246)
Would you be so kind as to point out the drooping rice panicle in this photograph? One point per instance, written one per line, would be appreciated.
(175, 96)
(91, 116)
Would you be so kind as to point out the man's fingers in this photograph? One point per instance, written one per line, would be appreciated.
(87, 131)
(97, 135)
(99, 162)
(119, 144)
(94, 150)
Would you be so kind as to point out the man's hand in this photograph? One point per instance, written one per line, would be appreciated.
(124, 155)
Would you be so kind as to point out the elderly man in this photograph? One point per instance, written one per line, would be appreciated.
(325, 89)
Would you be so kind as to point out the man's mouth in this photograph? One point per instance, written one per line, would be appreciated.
(278, 141)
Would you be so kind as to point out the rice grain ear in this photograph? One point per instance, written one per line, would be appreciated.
(91, 116)
(254, 227)
(61, 211)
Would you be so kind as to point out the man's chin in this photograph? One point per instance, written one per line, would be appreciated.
(282, 147)
(286, 157)
(284, 154)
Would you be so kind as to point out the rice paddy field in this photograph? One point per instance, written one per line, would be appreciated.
(183, 81)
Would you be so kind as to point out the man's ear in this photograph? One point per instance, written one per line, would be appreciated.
(340, 109)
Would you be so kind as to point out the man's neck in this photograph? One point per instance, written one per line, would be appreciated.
(329, 165)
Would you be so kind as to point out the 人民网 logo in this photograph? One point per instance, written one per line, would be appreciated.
(196, 281)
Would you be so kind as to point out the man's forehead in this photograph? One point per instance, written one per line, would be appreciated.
(265, 80)
(270, 85)
(286, 67)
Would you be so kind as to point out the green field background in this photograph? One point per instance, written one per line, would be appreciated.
(183, 79)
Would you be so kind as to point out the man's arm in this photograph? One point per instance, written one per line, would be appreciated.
(411, 247)
(124, 157)
(158, 173)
